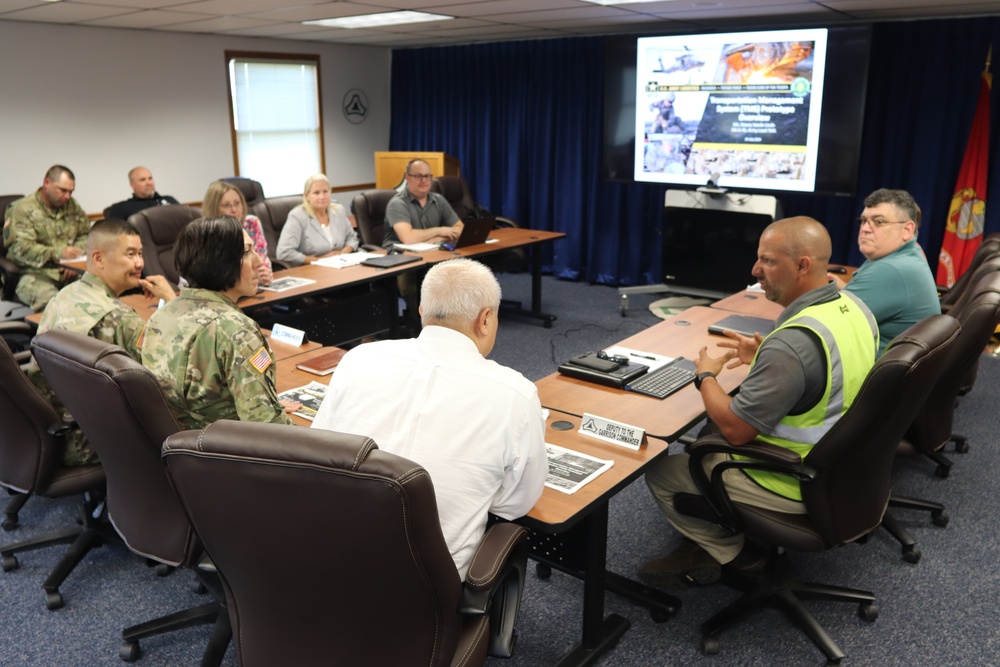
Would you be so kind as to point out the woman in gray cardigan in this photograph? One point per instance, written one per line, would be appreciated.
(318, 227)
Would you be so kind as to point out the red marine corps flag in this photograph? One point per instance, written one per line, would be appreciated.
(964, 231)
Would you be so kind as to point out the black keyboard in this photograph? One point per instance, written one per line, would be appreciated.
(664, 381)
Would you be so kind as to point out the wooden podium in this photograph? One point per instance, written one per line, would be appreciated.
(390, 166)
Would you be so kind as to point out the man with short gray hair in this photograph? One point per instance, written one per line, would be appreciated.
(895, 282)
(474, 425)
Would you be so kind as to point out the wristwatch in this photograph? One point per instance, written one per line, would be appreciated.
(700, 377)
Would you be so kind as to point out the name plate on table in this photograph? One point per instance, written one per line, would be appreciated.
(611, 431)
(288, 335)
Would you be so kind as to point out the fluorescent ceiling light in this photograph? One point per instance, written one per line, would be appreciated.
(374, 20)
(621, 2)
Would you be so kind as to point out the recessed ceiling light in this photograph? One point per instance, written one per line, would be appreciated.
(374, 20)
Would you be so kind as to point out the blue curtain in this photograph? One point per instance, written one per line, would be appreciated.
(525, 119)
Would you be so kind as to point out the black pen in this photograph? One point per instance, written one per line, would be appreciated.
(642, 356)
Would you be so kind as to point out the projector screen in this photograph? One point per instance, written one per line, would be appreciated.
(744, 108)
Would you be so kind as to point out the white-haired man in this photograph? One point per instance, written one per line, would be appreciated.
(474, 425)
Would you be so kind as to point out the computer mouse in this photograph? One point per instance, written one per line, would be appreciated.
(394, 251)
(837, 269)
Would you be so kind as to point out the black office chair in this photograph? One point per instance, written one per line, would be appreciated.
(456, 190)
(159, 228)
(931, 430)
(988, 249)
(252, 190)
(119, 405)
(369, 579)
(273, 214)
(845, 480)
(369, 212)
(10, 272)
(31, 450)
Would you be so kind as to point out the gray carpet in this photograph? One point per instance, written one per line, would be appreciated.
(941, 611)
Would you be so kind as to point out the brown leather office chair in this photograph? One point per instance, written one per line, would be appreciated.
(845, 479)
(372, 582)
(159, 228)
(369, 212)
(119, 405)
(273, 213)
(31, 451)
(252, 190)
(10, 272)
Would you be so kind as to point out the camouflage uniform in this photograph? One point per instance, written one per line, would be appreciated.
(88, 307)
(212, 361)
(35, 241)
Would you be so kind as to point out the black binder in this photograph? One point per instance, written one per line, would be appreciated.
(594, 369)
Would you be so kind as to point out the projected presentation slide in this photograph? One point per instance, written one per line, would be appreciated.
(745, 106)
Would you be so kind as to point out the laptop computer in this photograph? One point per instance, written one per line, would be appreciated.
(745, 325)
(474, 232)
(389, 261)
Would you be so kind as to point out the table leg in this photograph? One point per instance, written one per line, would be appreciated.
(536, 293)
(599, 633)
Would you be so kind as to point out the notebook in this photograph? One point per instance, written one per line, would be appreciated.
(474, 232)
(745, 325)
(389, 261)
(593, 369)
(323, 364)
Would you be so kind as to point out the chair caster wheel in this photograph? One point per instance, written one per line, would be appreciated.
(911, 554)
(709, 645)
(940, 518)
(129, 651)
(53, 600)
(162, 569)
(623, 308)
(961, 445)
(9, 523)
(659, 616)
(9, 563)
(868, 611)
(543, 571)
(942, 471)
(200, 588)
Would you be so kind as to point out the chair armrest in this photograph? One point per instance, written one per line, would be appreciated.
(506, 222)
(764, 457)
(18, 327)
(371, 247)
(494, 582)
(277, 265)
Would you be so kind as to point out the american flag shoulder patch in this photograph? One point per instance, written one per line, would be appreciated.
(262, 360)
(142, 337)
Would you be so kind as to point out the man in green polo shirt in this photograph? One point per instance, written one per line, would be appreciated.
(802, 378)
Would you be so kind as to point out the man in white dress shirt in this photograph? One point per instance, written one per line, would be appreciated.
(474, 425)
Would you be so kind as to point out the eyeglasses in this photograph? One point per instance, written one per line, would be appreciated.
(878, 222)
(421, 177)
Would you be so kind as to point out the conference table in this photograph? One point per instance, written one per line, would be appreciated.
(569, 531)
(327, 279)
(755, 304)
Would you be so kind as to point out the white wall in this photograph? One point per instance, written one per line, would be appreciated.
(103, 100)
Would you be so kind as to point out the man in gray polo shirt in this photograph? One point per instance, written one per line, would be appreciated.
(417, 215)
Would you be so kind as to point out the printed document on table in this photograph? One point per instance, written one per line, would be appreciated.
(287, 283)
(569, 470)
(310, 396)
(341, 261)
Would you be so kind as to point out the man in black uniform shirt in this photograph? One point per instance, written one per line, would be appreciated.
(144, 196)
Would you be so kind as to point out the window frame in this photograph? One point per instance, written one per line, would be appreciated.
(272, 57)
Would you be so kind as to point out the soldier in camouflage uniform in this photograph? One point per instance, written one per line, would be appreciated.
(44, 228)
(90, 306)
(212, 361)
